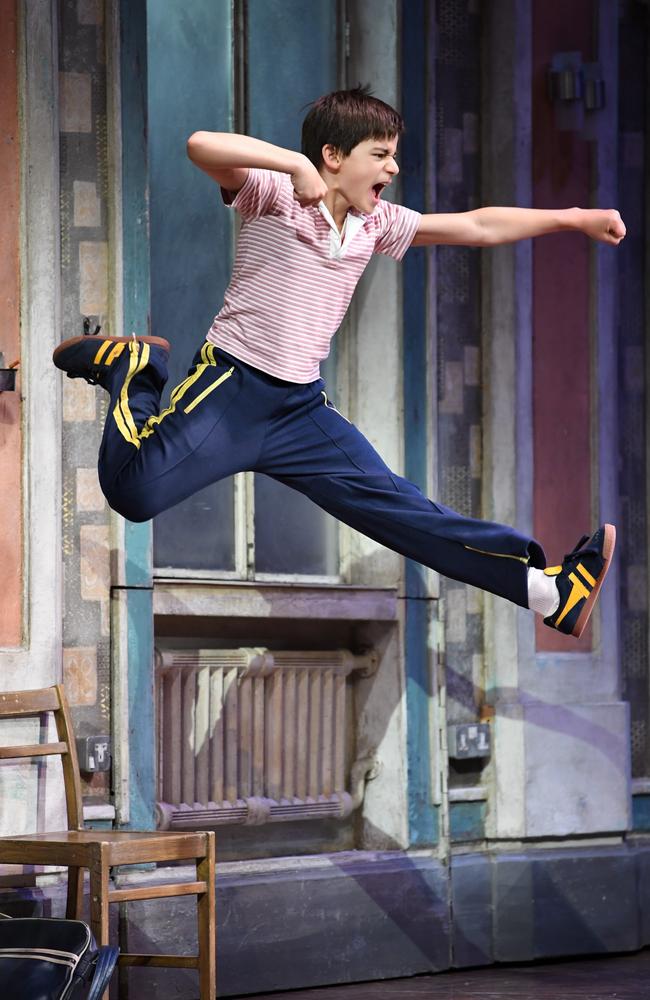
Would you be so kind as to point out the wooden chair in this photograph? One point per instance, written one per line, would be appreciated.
(99, 850)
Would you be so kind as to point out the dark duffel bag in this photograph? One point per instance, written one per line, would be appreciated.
(49, 959)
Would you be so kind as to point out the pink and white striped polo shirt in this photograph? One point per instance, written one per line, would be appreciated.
(294, 275)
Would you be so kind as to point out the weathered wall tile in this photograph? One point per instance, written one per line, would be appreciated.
(95, 564)
(93, 278)
(451, 400)
(75, 92)
(87, 210)
(79, 400)
(80, 675)
(90, 12)
(89, 494)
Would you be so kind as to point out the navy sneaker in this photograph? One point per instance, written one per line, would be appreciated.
(91, 356)
(579, 579)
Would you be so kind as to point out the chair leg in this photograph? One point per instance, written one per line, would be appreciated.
(74, 905)
(205, 871)
(99, 897)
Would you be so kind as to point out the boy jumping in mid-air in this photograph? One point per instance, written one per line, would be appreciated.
(253, 399)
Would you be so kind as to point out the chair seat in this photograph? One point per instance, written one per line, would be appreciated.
(124, 847)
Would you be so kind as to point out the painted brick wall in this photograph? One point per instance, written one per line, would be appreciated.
(84, 292)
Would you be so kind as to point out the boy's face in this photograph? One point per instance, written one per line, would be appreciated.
(361, 177)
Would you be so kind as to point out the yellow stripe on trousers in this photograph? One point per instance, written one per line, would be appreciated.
(178, 393)
(139, 358)
(122, 412)
(206, 392)
(499, 555)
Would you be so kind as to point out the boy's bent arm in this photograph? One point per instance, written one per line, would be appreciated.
(484, 227)
(226, 157)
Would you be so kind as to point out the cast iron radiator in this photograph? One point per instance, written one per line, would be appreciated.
(253, 736)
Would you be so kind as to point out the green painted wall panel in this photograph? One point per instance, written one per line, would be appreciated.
(641, 812)
(142, 741)
(135, 280)
(466, 821)
(423, 815)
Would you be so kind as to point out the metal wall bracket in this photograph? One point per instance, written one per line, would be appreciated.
(577, 92)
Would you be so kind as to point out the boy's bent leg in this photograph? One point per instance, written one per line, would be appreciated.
(135, 390)
(151, 460)
(134, 372)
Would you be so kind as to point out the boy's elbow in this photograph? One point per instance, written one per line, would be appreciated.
(194, 145)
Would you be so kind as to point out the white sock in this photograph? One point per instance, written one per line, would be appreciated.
(543, 595)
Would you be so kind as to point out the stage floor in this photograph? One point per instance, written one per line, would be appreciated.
(625, 977)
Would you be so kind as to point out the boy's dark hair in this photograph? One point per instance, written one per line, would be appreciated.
(345, 118)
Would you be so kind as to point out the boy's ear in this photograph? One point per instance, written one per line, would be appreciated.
(331, 156)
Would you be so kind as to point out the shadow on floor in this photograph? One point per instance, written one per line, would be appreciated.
(620, 977)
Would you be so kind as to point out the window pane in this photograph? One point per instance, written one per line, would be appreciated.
(304, 31)
(198, 533)
(191, 235)
(292, 534)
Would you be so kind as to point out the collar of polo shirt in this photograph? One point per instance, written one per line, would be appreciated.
(340, 241)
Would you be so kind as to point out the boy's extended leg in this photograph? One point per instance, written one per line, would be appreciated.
(322, 455)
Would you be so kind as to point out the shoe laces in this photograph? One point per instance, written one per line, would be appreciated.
(580, 548)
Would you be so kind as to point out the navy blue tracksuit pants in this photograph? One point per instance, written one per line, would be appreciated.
(228, 417)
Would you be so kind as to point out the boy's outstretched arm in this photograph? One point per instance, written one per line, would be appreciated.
(226, 157)
(486, 227)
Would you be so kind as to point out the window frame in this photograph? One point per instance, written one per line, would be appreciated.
(244, 482)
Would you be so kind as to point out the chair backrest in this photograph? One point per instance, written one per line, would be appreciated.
(22, 704)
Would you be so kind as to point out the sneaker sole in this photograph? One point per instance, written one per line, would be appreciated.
(609, 544)
(155, 341)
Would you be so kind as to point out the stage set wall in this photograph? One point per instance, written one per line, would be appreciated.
(510, 383)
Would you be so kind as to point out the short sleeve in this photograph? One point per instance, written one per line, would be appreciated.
(398, 226)
(259, 195)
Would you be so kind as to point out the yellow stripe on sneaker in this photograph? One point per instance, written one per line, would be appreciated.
(103, 347)
(578, 592)
(588, 577)
(115, 353)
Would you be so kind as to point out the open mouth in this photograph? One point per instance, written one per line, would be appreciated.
(376, 192)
